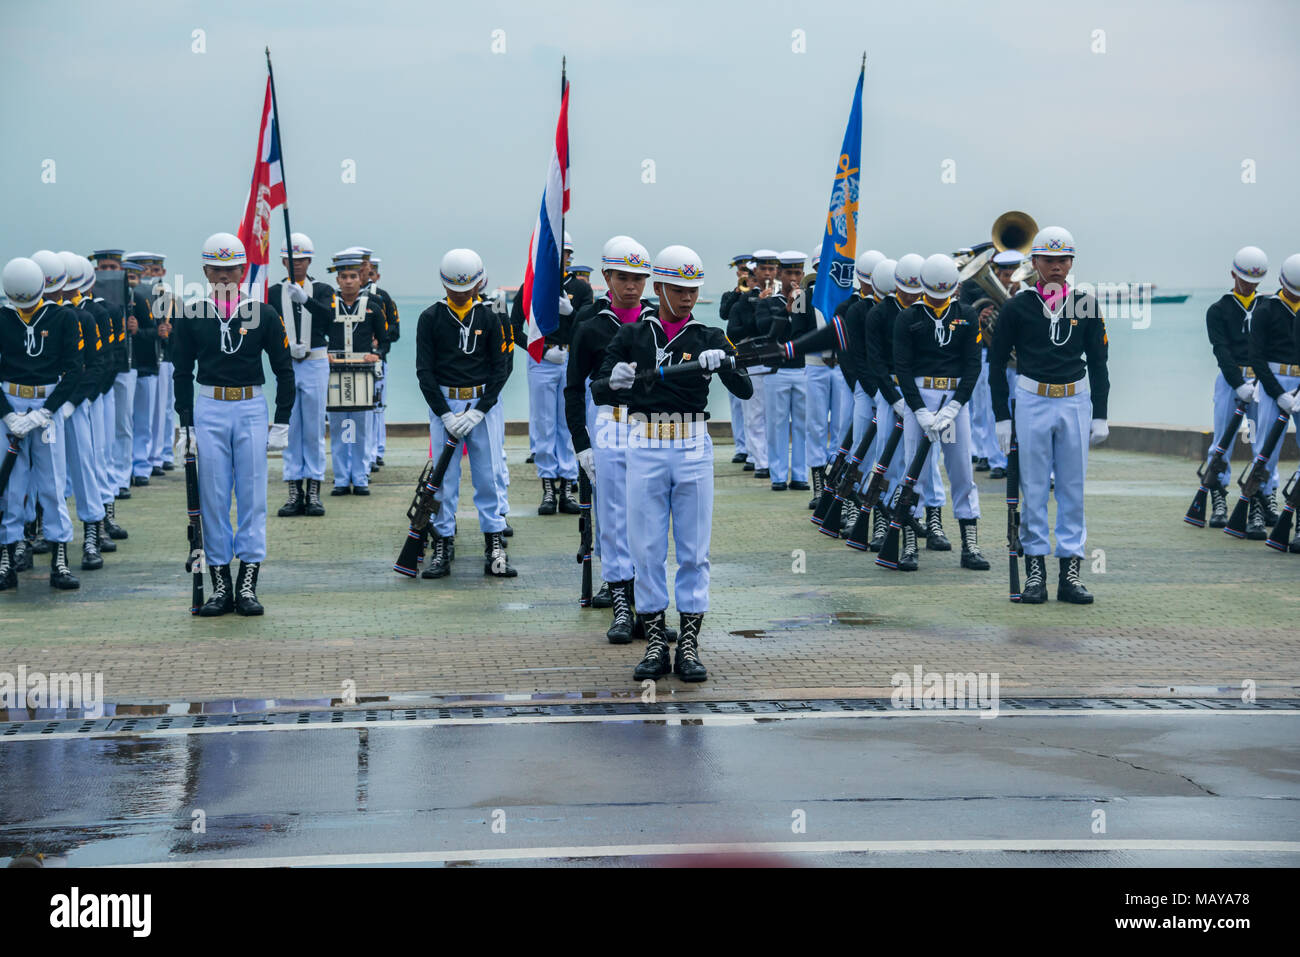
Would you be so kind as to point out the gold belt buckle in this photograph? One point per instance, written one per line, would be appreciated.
(27, 391)
(1248, 372)
(1056, 391)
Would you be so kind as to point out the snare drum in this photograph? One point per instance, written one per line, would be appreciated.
(351, 386)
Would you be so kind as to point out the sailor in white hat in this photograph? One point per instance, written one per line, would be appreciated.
(1061, 393)
(740, 262)
(989, 458)
(740, 329)
(786, 389)
(164, 307)
(1275, 358)
(379, 434)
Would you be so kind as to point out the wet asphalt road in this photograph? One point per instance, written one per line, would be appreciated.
(634, 792)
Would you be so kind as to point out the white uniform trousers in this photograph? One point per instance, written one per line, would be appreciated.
(349, 439)
(884, 429)
(374, 419)
(146, 392)
(39, 474)
(756, 420)
(481, 472)
(123, 427)
(101, 421)
(595, 490)
(79, 453)
(381, 433)
(1225, 403)
(1267, 412)
(864, 407)
(609, 449)
(738, 424)
(787, 444)
(983, 435)
(1052, 436)
(828, 407)
(495, 420)
(231, 459)
(670, 478)
(956, 460)
(164, 406)
(304, 457)
(547, 428)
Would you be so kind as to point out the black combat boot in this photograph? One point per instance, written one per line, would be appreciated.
(439, 559)
(495, 560)
(998, 473)
(1294, 547)
(60, 574)
(222, 601)
(115, 531)
(1218, 509)
(296, 503)
(106, 544)
(313, 505)
(568, 505)
(687, 664)
(738, 458)
(139, 480)
(620, 632)
(508, 531)
(658, 660)
(124, 491)
(798, 486)
(604, 597)
(37, 535)
(22, 555)
(1268, 505)
(1256, 530)
(90, 557)
(818, 484)
(981, 465)
(8, 576)
(779, 486)
(548, 497)
(908, 557)
(935, 539)
(763, 473)
(879, 528)
(246, 602)
(970, 549)
(1034, 591)
(341, 490)
(1069, 587)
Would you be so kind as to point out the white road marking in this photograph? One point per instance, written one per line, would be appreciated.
(772, 848)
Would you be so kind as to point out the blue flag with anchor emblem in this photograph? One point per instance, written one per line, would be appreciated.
(840, 235)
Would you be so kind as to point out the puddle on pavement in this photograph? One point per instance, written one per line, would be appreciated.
(850, 619)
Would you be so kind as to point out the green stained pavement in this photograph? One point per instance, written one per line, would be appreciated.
(794, 613)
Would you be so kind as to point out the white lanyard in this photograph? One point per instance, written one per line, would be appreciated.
(350, 320)
(301, 330)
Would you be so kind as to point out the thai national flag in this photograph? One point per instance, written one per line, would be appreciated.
(543, 275)
(264, 197)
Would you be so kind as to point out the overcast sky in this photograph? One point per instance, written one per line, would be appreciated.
(1138, 150)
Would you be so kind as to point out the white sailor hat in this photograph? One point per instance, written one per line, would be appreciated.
(105, 254)
(568, 241)
(131, 266)
(1008, 259)
(302, 247)
(766, 256)
(375, 260)
(792, 257)
(580, 270)
(361, 251)
(817, 257)
(136, 257)
(740, 259)
(344, 259)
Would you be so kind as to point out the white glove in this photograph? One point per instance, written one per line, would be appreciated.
(297, 293)
(710, 359)
(899, 407)
(1100, 431)
(622, 375)
(451, 422)
(554, 354)
(469, 419)
(1246, 392)
(299, 350)
(185, 442)
(1288, 402)
(278, 438)
(566, 305)
(67, 409)
(1003, 430)
(18, 424)
(944, 418)
(40, 417)
(587, 459)
(925, 419)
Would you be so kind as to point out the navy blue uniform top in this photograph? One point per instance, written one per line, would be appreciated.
(1045, 352)
(1273, 338)
(45, 349)
(229, 353)
(774, 319)
(368, 335)
(878, 325)
(944, 346)
(455, 353)
(1227, 322)
(320, 305)
(592, 333)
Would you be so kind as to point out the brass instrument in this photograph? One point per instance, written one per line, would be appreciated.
(1012, 230)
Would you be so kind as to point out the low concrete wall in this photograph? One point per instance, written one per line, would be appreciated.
(1182, 441)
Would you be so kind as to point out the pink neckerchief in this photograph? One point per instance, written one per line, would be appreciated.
(625, 316)
(672, 328)
(228, 309)
(1056, 299)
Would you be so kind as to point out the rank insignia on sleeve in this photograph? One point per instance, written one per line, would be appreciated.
(686, 357)
(243, 331)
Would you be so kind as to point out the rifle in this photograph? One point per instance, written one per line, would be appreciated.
(423, 506)
(194, 530)
(1014, 549)
(584, 537)
(900, 513)
(846, 485)
(833, 476)
(6, 469)
(873, 496)
(1254, 477)
(1209, 472)
(1281, 531)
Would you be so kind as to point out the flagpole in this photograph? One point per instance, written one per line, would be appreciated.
(564, 85)
(279, 149)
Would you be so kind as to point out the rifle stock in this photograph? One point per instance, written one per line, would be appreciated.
(1209, 472)
(7, 467)
(1014, 548)
(423, 506)
(846, 484)
(194, 531)
(833, 477)
(1255, 476)
(1277, 539)
(584, 537)
(873, 496)
(901, 512)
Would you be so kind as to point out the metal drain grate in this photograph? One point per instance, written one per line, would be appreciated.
(607, 710)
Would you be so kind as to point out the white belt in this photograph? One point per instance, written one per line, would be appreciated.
(28, 391)
(814, 360)
(1051, 389)
(1284, 368)
(228, 393)
(322, 353)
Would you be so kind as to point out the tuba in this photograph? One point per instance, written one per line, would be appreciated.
(1012, 230)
